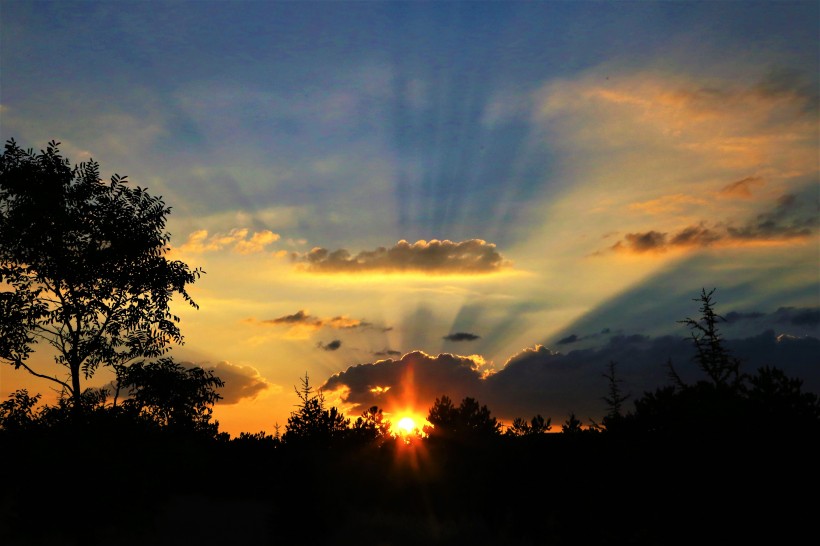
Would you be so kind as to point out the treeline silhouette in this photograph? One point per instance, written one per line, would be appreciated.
(728, 459)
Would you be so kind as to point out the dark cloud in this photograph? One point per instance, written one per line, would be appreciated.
(473, 256)
(416, 379)
(332, 346)
(650, 241)
(695, 236)
(788, 220)
(791, 84)
(240, 381)
(301, 318)
(387, 352)
(572, 338)
(461, 336)
(791, 218)
(554, 384)
(795, 316)
(798, 316)
(298, 317)
(737, 316)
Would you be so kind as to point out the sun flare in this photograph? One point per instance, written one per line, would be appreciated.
(406, 425)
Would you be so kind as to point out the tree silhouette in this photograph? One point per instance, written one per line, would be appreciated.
(712, 356)
(467, 421)
(727, 403)
(572, 425)
(172, 396)
(312, 423)
(371, 426)
(537, 425)
(615, 398)
(82, 268)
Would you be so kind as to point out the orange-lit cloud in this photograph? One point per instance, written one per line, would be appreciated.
(473, 256)
(241, 241)
(741, 188)
(304, 321)
(790, 220)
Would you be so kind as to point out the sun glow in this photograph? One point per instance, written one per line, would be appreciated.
(406, 425)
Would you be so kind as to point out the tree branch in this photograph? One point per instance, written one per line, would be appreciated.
(32, 372)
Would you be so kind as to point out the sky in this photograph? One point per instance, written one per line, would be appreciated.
(405, 200)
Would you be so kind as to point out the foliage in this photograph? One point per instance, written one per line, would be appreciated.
(371, 426)
(83, 267)
(172, 396)
(467, 421)
(537, 425)
(312, 423)
(17, 412)
(572, 425)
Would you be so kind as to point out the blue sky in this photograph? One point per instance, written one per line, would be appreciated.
(556, 169)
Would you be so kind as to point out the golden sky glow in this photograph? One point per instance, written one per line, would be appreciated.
(458, 209)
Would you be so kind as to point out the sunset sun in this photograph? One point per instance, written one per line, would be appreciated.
(406, 425)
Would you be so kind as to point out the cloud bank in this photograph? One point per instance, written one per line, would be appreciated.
(538, 380)
(472, 257)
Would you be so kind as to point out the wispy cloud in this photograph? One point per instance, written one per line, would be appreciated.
(240, 240)
(667, 204)
(473, 256)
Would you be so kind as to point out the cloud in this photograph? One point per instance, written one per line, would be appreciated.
(741, 188)
(416, 379)
(629, 144)
(667, 204)
(786, 221)
(554, 384)
(241, 382)
(332, 346)
(301, 318)
(572, 338)
(795, 316)
(239, 240)
(461, 336)
(473, 256)
(737, 316)
(387, 352)
(798, 316)
(650, 241)
(790, 220)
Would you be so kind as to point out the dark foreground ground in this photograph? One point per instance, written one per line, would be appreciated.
(553, 489)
